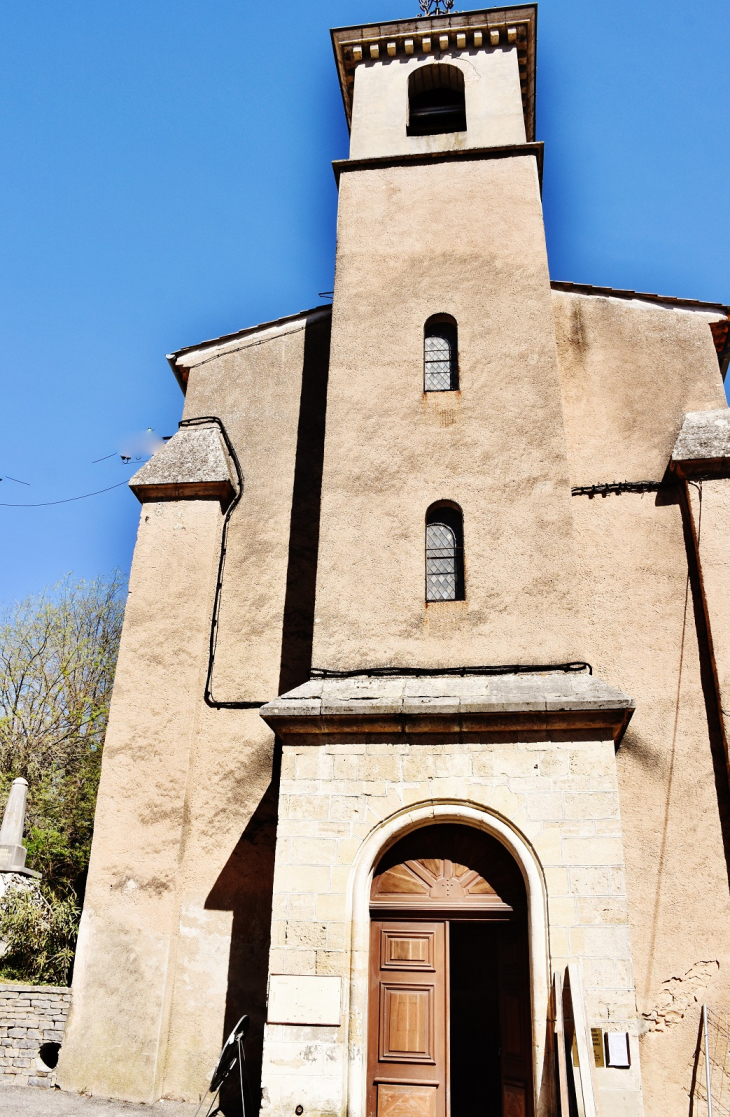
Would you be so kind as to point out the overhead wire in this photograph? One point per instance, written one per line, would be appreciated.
(70, 499)
(66, 500)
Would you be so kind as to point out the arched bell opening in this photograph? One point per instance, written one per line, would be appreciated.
(436, 103)
(450, 1013)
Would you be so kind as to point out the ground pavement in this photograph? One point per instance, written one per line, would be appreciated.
(35, 1101)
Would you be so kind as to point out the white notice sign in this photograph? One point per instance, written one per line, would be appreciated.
(617, 1049)
(304, 1000)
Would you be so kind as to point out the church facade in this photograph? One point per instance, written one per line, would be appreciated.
(418, 746)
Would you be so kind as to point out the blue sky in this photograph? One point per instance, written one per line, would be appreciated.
(166, 178)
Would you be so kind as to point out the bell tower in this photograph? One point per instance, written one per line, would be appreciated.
(440, 84)
(446, 522)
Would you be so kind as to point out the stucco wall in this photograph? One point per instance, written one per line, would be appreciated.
(709, 503)
(463, 238)
(492, 95)
(175, 932)
(630, 371)
(130, 911)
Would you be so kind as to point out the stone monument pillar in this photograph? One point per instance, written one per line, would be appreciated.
(12, 850)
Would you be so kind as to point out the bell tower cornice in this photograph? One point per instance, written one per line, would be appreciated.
(433, 36)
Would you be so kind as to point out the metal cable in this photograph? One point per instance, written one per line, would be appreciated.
(214, 703)
(619, 487)
(574, 667)
(67, 500)
(323, 672)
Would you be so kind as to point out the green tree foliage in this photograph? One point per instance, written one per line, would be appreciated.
(58, 653)
(39, 935)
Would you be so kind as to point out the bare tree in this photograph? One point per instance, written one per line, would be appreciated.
(58, 653)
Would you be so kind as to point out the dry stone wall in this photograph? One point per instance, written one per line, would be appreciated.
(32, 1022)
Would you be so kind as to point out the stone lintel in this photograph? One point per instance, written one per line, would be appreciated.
(702, 448)
(193, 465)
(451, 704)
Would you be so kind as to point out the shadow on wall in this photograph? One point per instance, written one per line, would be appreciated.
(245, 886)
(301, 575)
(708, 679)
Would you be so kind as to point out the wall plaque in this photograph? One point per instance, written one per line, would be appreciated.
(617, 1049)
(304, 1000)
(597, 1041)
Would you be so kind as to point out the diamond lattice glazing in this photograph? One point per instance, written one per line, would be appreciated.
(440, 563)
(437, 358)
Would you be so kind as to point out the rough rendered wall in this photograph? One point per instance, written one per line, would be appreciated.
(492, 97)
(629, 374)
(121, 982)
(407, 250)
(175, 933)
(271, 397)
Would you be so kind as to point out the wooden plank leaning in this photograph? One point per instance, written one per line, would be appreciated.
(560, 1042)
(586, 1065)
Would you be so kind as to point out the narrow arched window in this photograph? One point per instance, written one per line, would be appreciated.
(444, 553)
(440, 354)
(436, 100)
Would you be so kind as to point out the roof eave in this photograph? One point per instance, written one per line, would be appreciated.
(500, 17)
(180, 372)
(666, 302)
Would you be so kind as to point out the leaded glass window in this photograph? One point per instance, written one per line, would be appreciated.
(440, 563)
(444, 554)
(440, 358)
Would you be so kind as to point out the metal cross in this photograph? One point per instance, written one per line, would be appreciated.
(435, 7)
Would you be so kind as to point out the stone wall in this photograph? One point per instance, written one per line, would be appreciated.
(32, 1022)
(560, 796)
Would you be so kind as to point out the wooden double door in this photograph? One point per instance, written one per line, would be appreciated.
(449, 1028)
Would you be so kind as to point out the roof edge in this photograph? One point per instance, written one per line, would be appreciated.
(647, 296)
(479, 19)
(720, 330)
(247, 331)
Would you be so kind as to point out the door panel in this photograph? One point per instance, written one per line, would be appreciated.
(515, 1023)
(399, 1100)
(410, 950)
(409, 1058)
(514, 1099)
(407, 1028)
(407, 1023)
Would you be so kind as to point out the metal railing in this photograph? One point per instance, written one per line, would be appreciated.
(711, 1080)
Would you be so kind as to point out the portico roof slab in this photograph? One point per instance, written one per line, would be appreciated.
(451, 704)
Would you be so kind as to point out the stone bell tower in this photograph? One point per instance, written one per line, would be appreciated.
(447, 628)
(440, 220)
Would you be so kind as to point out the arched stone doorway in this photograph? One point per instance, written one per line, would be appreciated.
(449, 1031)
